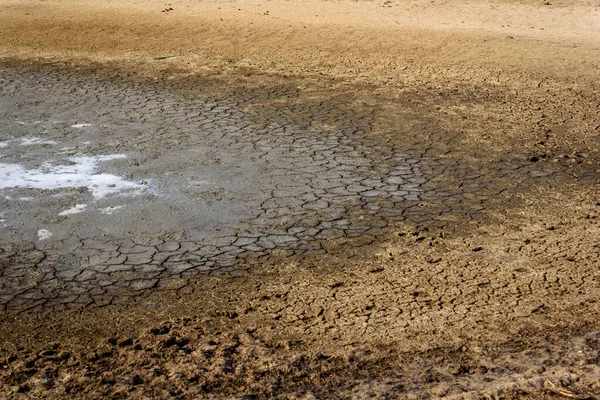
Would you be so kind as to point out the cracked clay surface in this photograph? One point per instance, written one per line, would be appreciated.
(241, 236)
(94, 165)
(260, 199)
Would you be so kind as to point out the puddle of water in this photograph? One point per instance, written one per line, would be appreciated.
(82, 172)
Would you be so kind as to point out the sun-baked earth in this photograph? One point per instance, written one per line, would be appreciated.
(317, 199)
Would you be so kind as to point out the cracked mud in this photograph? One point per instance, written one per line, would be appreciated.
(223, 184)
(339, 200)
(241, 188)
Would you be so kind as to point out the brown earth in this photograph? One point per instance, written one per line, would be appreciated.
(505, 306)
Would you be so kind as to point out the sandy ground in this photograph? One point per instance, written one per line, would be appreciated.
(489, 292)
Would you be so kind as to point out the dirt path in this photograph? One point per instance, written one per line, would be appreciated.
(330, 200)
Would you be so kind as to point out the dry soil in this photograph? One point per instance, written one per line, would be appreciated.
(317, 199)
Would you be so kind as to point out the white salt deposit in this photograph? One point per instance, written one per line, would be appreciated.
(34, 141)
(73, 210)
(82, 172)
(27, 142)
(110, 210)
(43, 234)
(80, 125)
